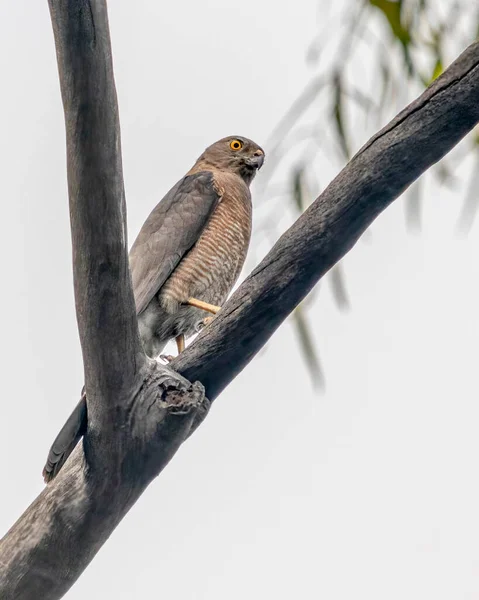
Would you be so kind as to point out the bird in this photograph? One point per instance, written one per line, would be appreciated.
(185, 260)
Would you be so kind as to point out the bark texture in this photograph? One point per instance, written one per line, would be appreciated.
(140, 412)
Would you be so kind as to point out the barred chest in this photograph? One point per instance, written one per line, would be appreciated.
(211, 268)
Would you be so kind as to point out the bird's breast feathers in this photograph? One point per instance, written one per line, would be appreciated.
(212, 266)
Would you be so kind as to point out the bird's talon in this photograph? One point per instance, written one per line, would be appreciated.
(166, 357)
(203, 323)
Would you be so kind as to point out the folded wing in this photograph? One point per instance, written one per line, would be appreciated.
(172, 229)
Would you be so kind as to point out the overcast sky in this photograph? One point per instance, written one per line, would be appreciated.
(368, 491)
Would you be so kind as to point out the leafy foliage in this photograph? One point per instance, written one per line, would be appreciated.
(370, 58)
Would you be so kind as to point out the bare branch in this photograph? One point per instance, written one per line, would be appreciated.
(54, 540)
(112, 352)
(388, 163)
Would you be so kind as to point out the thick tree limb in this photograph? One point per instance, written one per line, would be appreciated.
(139, 412)
(112, 353)
(52, 543)
(386, 165)
(138, 417)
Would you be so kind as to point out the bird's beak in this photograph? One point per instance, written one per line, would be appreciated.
(257, 160)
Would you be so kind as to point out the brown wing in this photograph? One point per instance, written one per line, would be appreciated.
(170, 231)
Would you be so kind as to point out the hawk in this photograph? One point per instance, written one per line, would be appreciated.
(186, 259)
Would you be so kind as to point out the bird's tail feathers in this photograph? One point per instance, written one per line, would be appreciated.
(65, 442)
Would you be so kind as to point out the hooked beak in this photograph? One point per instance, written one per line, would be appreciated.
(257, 160)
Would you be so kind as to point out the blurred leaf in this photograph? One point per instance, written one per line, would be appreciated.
(301, 195)
(445, 174)
(385, 82)
(361, 99)
(338, 286)
(423, 31)
(438, 69)
(313, 52)
(339, 114)
(298, 189)
(308, 347)
(302, 199)
(311, 297)
(392, 11)
(413, 207)
(471, 202)
(299, 106)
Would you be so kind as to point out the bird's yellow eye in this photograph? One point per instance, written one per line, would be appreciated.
(236, 145)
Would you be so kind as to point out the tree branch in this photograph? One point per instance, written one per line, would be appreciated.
(112, 353)
(384, 167)
(54, 540)
(139, 411)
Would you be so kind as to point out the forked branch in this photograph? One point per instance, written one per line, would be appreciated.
(140, 412)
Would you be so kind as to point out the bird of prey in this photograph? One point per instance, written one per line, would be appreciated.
(185, 260)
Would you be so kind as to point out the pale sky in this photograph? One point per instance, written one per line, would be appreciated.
(367, 491)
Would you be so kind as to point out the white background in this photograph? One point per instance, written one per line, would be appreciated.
(368, 491)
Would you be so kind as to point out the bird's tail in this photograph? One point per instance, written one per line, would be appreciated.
(69, 436)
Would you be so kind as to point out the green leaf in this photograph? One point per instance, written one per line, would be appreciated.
(438, 69)
(392, 11)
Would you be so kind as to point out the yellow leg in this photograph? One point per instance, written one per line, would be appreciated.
(180, 343)
(203, 305)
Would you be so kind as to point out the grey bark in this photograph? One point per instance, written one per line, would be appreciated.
(140, 412)
(419, 136)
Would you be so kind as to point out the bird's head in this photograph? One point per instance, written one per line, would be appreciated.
(235, 153)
